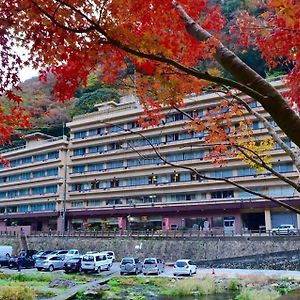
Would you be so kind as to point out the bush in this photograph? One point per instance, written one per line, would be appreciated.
(16, 292)
(233, 285)
(252, 294)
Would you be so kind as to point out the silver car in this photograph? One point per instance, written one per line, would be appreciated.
(49, 263)
(153, 266)
(131, 265)
(285, 229)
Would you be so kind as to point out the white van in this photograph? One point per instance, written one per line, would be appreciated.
(5, 254)
(95, 262)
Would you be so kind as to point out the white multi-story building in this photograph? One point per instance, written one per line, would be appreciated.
(108, 176)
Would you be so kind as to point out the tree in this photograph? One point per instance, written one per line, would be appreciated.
(168, 42)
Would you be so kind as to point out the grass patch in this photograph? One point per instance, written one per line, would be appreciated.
(253, 294)
(192, 287)
(17, 292)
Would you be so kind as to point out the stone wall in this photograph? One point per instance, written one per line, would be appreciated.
(168, 248)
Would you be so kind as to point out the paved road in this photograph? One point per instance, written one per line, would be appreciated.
(229, 273)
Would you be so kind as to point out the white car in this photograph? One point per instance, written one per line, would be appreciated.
(184, 267)
(95, 262)
(285, 229)
(109, 254)
(71, 253)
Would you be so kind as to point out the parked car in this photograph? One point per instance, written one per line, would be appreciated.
(73, 265)
(71, 253)
(184, 267)
(109, 254)
(130, 265)
(285, 229)
(5, 254)
(41, 253)
(95, 262)
(50, 263)
(23, 260)
(153, 266)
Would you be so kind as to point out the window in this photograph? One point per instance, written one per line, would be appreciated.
(283, 167)
(95, 184)
(172, 137)
(175, 157)
(79, 151)
(246, 171)
(115, 164)
(53, 155)
(222, 194)
(50, 206)
(252, 104)
(222, 173)
(78, 169)
(80, 134)
(39, 174)
(175, 117)
(283, 191)
(133, 125)
(39, 157)
(95, 167)
(195, 177)
(217, 221)
(114, 146)
(23, 208)
(114, 183)
(52, 172)
(255, 125)
(51, 189)
(92, 132)
(152, 179)
(38, 190)
(77, 204)
(26, 160)
(175, 177)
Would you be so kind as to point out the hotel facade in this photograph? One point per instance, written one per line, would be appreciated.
(107, 176)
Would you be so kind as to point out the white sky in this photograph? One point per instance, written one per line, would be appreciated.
(27, 73)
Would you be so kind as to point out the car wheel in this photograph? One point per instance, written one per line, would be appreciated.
(108, 267)
(190, 274)
(51, 268)
(99, 270)
(136, 272)
(121, 273)
(39, 269)
(174, 274)
(144, 274)
(80, 270)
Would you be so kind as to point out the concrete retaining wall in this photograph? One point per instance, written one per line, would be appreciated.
(169, 249)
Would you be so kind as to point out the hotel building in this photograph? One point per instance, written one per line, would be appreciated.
(115, 180)
(32, 188)
(107, 176)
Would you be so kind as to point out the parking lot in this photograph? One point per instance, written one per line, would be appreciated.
(224, 273)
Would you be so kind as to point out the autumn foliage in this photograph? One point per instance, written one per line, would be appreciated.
(72, 38)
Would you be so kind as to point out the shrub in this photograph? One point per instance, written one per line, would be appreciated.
(233, 285)
(187, 287)
(252, 294)
(16, 292)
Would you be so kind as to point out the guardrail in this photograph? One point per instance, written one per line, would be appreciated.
(155, 234)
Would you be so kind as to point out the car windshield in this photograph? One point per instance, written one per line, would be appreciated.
(42, 257)
(74, 260)
(63, 252)
(110, 253)
(127, 261)
(149, 261)
(180, 264)
(88, 258)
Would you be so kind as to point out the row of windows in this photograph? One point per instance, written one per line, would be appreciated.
(155, 140)
(283, 191)
(31, 159)
(30, 175)
(131, 125)
(29, 207)
(40, 190)
(139, 200)
(138, 162)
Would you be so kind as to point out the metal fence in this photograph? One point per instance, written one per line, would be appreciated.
(155, 234)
